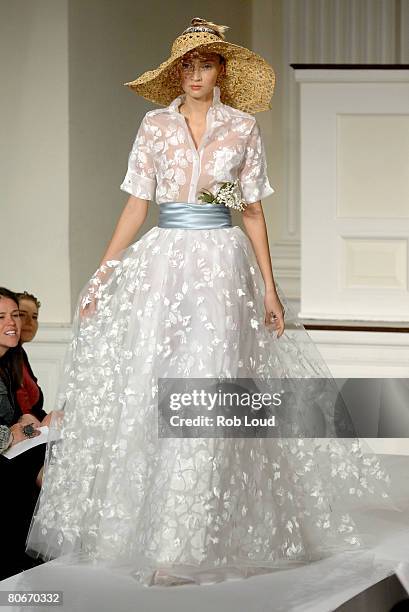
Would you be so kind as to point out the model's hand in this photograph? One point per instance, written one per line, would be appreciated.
(274, 317)
(88, 306)
(89, 301)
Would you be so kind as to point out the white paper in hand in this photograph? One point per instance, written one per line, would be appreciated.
(21, 447)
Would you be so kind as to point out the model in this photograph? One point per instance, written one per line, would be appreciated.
(195, 297)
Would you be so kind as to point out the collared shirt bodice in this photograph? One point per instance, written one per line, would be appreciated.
(164, 164)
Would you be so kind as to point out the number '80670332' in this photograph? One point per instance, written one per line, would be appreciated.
(21, 598)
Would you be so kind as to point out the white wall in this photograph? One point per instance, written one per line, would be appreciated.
(323, 31)
(34, 126)
(267, 40)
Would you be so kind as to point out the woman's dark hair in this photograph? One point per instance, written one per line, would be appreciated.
(11, 295)
(11, 364)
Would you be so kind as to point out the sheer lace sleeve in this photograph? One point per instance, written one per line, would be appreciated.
(253, 175)
(5, 435)
(140, 179)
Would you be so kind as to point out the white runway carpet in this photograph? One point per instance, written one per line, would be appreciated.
(319, 587)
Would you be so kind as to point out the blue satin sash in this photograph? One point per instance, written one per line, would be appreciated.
(193, 216)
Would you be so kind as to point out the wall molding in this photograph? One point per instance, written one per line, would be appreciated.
(319, 31)
(358, 354)
(285, 258)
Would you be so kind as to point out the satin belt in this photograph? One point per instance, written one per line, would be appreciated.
(193, 216)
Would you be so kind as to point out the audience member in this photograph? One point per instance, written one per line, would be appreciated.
(19, 476)
(29, 396)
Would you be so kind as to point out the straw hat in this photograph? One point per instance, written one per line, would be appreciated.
(248, 82)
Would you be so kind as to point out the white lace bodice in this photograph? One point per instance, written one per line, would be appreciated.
(164, 164)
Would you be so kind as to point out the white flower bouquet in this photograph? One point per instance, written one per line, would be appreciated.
(229, 194)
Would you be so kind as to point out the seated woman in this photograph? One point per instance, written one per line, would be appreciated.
(29, 396)
(18, 476)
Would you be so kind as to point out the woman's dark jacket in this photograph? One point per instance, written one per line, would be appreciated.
(10, 411)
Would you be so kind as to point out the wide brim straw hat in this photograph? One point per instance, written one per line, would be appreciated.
(248, 82)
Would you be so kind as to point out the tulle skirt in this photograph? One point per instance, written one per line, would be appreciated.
(188, 303)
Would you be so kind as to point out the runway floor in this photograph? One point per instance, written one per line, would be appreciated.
(322, 586)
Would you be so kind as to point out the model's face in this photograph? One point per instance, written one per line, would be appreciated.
(10, 325)
(29, 320)
(198, 73)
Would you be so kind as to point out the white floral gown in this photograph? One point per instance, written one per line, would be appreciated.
(189, 303)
